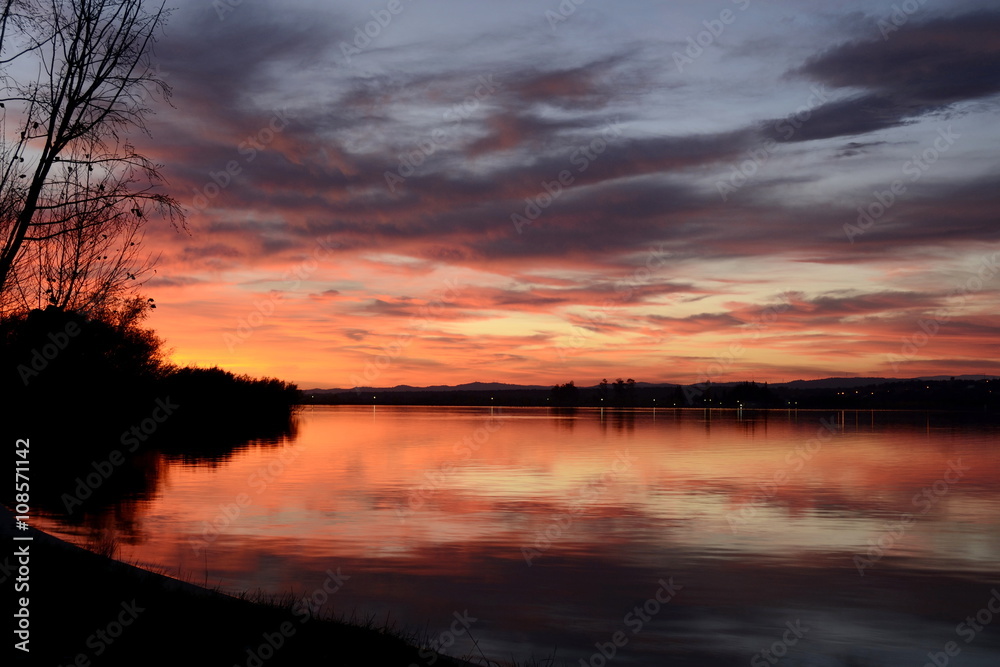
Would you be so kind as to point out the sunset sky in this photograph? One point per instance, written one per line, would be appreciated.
(441, 192)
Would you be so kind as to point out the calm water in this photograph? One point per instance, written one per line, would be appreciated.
(667, 538)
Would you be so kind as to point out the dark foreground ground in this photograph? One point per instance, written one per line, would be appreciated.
(86, 609)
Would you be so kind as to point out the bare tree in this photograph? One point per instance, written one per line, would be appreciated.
(90, 260)
(93, 265)
(69, 179)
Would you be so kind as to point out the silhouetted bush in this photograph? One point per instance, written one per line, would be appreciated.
(218, 410)
(64, 368)
(83, 389)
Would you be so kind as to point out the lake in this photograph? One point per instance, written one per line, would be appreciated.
(639, 537)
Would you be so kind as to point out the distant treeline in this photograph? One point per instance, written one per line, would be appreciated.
(951, 395)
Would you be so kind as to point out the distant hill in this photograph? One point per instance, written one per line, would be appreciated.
(953, 393)
(825, 383)
(469, 386)
(851, 383)
(834, 383)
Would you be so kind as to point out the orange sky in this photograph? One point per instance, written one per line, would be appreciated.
(570, 203)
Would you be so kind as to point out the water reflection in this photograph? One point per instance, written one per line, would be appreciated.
(550, 525)
(103, 489)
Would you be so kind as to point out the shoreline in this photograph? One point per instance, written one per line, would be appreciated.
(87, 609)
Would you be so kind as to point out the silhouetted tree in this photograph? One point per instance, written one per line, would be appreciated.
(565, 394)
(65, 168)
(624, 392)
(751, 394)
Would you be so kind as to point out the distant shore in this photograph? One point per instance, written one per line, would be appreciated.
(959, 394)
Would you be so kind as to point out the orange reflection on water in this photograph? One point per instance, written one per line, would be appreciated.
(391, 482)
(430, 510)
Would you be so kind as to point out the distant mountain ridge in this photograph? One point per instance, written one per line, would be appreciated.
(850, 383)
(824, 383)
(468, 386)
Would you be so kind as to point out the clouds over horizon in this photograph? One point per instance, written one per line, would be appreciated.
(580, 199)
